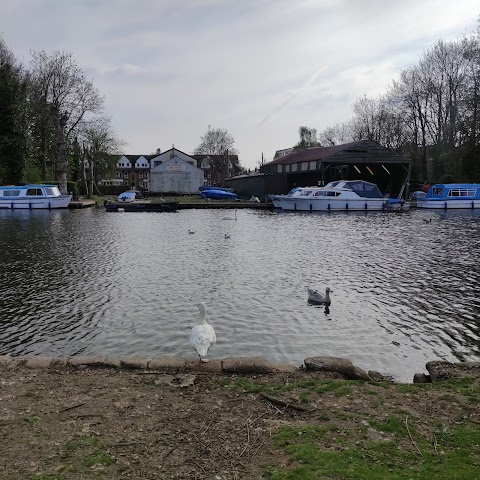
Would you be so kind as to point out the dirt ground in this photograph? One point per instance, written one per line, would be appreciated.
(114, 424)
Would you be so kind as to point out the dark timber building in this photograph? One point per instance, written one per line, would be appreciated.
(362, 160)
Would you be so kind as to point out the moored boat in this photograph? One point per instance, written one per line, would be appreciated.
(139, 206)
(342, 195)
(34, 196)
(451, 195)
(218, 194)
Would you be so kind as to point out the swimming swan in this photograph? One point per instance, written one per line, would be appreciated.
(316, 297)
(202, 336)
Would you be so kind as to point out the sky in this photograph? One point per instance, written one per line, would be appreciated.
(258, 68)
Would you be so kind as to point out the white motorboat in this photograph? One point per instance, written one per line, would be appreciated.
(33, 196)
(341, 195)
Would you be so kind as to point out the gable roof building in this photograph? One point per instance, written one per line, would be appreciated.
(360, 160)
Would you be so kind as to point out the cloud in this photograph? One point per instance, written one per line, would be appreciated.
(259, 68)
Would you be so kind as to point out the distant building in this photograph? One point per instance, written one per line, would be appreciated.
(361, 160)
(174, 171)
(218, 168)
(134, 171)
(282, 153)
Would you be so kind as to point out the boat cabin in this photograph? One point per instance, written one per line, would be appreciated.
(453, 191)
(12, 191)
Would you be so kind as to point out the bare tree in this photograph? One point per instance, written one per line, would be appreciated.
(217, 142)
(98, 142)
(67, 96)
(336, 135)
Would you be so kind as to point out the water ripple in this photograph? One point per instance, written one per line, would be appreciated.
(91, 282)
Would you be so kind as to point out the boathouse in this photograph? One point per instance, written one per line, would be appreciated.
(175, 172)
(361, 160)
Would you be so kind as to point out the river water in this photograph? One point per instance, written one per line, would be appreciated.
(90, 282)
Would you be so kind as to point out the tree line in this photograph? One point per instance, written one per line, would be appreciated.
(430, 113)
(53, 125)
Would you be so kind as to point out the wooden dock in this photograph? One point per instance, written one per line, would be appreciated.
(88, 203)
(85, 203)
(225, 205)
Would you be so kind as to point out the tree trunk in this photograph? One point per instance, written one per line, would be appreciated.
(62, 163)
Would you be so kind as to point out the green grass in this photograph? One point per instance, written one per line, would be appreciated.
(97, 457)
(327, 452)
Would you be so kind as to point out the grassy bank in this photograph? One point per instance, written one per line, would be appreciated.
(110, 424)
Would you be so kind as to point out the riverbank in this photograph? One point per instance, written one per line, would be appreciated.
(77, 418)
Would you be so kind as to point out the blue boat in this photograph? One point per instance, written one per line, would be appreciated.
(211, 187)
(218, 194)
(451, 195)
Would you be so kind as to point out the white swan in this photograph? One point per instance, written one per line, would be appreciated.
(316, 297)
(230, 218)
(202, 336)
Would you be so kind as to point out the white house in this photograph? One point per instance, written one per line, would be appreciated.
(174, 171)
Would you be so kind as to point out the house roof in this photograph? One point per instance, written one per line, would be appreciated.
(320, 153)
(134, 158)
(215, 157)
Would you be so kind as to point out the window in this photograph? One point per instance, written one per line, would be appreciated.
(313, 165)
(304, 166)
(279, 169)
(11, 193)
(34, 192)
(462, 192)
(140, 174)
(294, 167)
(125, 174)
(305, 193)
(119, 174)
(287, 168)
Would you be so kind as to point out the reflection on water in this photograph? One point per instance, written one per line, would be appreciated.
(91, 282)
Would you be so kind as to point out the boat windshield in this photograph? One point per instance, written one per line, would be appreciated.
(52, 191)
(364, 189)
(332, 184)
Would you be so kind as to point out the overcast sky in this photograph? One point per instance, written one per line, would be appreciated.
(258, 68)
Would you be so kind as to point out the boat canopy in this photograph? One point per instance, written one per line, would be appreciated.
(362, 188)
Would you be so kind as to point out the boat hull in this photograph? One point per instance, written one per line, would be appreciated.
(328, 205)
(36, 203)
(449, 204)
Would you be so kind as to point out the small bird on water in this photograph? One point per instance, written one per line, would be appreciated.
(315, 296)
(202, 336)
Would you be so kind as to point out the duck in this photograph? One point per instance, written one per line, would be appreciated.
(202, 336)
(315, 296)
(191, 232)
(227, 235)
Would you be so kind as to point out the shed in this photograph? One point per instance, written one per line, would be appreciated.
(361, 160)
